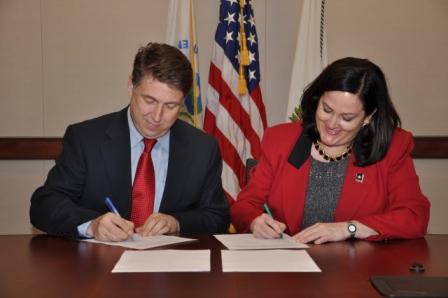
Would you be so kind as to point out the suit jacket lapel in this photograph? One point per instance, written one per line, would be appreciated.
(178, 165)
(116, 154)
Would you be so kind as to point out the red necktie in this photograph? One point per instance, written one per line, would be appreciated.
(144, 186)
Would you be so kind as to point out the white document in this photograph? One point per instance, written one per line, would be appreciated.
(164, 261)
(138, 242)
(267, 261)
(248, 241)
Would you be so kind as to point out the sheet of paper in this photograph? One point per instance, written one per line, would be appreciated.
(164, 261)
(248, 241)
(138, 242)
(267, 261)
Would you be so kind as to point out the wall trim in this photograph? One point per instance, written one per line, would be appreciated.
(30, 148)
(41, 148)
(430, 147)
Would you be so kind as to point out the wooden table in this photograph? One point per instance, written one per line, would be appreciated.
(45, 266)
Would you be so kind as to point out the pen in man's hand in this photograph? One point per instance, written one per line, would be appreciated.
(111, 206)
(268, 211)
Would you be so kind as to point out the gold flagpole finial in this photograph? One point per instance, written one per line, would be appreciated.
(244, 53)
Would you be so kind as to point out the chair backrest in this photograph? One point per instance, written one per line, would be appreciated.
(250, 164)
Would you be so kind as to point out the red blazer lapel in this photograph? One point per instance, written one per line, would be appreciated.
(294, 182)
(293, 191)
(294, 203)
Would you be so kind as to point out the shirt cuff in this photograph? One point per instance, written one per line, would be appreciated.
(82, 229)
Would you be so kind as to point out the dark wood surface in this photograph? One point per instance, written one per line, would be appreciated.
(30, 148)
(49, 148)
(430, 147)
(45, 266)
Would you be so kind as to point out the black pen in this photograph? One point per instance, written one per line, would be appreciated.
(268, 211)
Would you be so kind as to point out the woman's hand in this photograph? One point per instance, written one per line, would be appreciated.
(265, 226)
(330, 232)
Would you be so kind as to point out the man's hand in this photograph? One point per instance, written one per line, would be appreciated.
(110, 227)
(266, 227)
(158, 224)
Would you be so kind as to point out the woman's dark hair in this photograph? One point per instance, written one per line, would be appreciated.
(165, 63)
(365, 79)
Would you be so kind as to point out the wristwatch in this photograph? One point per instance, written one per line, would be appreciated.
(351, 227)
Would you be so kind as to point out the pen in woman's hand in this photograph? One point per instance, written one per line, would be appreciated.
(268, 211)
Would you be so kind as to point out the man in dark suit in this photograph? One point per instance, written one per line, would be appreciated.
(101, 157)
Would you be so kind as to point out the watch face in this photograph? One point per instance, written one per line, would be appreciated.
(351, 228)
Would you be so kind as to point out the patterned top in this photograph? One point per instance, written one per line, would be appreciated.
(324, 186)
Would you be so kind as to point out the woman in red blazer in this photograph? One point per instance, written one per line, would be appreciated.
(345, 171)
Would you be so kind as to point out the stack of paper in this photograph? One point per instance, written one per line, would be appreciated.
(250, 254)
(267, 261)
(248, 241)
(246, 254)
(164, 261)
(138, 242)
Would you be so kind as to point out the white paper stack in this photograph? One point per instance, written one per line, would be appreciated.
(164, 261)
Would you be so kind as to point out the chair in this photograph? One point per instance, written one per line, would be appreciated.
(250, 164)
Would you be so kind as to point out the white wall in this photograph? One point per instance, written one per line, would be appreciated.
(64, 61)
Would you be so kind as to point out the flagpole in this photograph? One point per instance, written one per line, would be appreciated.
(311, 51)
(193, 64)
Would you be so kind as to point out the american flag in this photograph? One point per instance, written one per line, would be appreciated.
(235, 118)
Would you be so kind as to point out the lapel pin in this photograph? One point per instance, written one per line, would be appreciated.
(359, 177)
